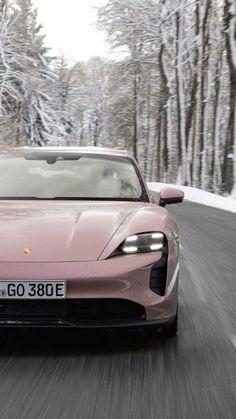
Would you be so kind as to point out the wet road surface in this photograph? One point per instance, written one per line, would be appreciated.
(123, 375)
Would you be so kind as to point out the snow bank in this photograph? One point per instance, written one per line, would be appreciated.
(200, 197)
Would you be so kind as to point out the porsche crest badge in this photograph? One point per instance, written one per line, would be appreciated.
(27, 250)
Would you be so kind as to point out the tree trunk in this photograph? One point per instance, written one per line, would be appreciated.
(190, 120)
(3, 3)
(135, 116)
(203, 10)
(182, 162)
(229, 164)
(215, 169)
(147, 170)
(162, 116)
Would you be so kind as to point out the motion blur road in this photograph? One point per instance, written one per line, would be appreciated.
(121, 375)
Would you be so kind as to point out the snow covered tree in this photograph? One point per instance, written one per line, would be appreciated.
(169, 96)
(80, 91)
(124, 26)
(35, 114)
(187, 102)
(25, 78)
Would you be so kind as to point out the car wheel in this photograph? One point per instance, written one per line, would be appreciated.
(169, 331)
(172, 330)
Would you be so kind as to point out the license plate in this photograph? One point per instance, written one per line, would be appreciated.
(32, 290)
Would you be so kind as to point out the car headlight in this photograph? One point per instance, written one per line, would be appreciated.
(141, 243)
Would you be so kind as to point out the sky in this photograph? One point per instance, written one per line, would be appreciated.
(69, 26)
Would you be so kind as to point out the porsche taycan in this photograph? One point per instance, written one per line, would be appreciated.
(84, 242)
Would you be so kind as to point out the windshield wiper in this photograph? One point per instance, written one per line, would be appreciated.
(8, 198)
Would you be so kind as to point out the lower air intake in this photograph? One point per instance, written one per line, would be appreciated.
(159, 274)
(79, 309)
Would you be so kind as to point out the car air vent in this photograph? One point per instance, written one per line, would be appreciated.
(78, 309)
(159, 274)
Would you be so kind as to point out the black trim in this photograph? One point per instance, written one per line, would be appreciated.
(168, 201)
(71, 310)
(60, 323)
(132, 315)
(158, 274)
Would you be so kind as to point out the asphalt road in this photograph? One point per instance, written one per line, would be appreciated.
(97, 376)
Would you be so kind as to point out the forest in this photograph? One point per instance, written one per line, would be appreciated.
(169, 96)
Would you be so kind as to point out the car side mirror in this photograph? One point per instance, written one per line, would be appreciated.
(170, 196)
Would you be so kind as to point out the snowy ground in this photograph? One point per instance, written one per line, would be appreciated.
(199, 196)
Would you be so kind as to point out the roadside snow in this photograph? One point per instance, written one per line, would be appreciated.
(198, 196)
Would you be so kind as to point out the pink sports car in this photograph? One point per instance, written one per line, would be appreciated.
(84, 243)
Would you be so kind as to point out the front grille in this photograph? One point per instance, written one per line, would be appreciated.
(79, 309)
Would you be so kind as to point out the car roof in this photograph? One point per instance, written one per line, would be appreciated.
(85, 150)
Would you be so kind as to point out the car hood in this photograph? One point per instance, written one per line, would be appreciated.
(59, 231)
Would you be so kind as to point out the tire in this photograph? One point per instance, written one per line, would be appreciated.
(169, 331)
(172, 330)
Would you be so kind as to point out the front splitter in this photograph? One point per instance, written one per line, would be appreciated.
(73, 323)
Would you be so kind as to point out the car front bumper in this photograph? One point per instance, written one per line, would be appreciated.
(122, 278)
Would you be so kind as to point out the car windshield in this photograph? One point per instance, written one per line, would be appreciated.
(69, 176)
